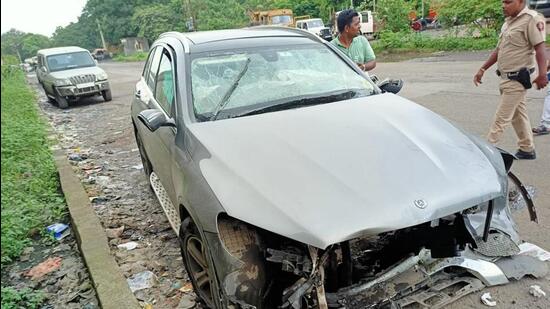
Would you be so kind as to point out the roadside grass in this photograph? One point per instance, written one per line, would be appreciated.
(30, 188)
(406, 42)
(25, 298)
(139, 56)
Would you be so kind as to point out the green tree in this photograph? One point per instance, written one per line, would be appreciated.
(394, 14)
(11, 43)
(483, 15)
(152, 20)
(23, 45)
(31, 43)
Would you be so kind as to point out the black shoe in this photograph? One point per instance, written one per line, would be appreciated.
(526, 155)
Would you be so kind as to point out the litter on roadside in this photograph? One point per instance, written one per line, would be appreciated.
(44, 268)
(186, 288)
(488, 300)
(536, 291)
(128, 246)
(59, 230)
(534, 251)
(142, 280)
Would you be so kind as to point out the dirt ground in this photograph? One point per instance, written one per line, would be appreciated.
(100, 143)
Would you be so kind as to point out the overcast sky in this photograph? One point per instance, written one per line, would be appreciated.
(39, 16)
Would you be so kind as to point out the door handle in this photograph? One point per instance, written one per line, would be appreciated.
(137, 94)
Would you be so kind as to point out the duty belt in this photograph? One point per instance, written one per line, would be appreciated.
(513, 75)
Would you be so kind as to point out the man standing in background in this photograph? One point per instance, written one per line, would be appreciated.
(351, 43)
(520, 50)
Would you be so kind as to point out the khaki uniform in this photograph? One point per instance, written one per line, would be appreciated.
(516, 50)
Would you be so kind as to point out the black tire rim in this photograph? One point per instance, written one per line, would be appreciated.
(198, 268)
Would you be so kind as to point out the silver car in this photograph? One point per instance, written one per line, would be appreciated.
(293, 181)
(69, 73)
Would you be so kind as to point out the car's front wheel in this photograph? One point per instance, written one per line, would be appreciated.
(107, 95)
(196, 261)
(62, 102)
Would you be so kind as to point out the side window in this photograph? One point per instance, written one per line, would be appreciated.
(148, 64)
(153, 69)
(39, 60)
(164, 88)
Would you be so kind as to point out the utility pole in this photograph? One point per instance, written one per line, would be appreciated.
(101, 34)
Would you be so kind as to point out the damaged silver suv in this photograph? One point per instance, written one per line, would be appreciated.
(293, 181)
(69, 73)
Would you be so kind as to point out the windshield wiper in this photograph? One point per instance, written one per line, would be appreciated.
(303, 101)
(227, 95)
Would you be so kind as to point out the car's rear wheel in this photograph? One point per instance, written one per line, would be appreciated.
(107, 95)
(196, 261)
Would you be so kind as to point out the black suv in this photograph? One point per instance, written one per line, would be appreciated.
(543, 6)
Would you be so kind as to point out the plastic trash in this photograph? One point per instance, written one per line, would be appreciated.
(128, 246)
(44, 268)
(142, 280)
(59, 230)
(534, 251)
(536, 291)
(488, 300)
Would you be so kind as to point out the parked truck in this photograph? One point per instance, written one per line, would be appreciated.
(280, 17)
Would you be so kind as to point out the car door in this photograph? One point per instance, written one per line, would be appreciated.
(158, 92)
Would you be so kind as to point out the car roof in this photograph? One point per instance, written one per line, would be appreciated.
(60, 50)
(202, 37)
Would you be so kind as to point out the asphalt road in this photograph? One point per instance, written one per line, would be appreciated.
(443, 83)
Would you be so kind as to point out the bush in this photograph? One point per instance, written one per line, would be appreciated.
(407, 40)
(139, 56)
(26, 298)
(394, 14)
(30, 187)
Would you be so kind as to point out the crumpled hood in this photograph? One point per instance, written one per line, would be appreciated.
(328, 173)
(78, 71)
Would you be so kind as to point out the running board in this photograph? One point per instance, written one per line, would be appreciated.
(169, 209)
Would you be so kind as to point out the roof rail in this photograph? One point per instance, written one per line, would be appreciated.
(292, 30)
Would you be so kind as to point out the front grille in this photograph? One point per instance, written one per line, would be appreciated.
(85, 90)
(325, 32)
(82, 79)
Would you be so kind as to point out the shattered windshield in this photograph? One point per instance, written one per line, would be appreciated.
(235, 83)
(70, 61)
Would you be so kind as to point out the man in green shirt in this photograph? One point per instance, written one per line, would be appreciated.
(355, 46)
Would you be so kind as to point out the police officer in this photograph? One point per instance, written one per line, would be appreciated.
(520, 52)
(351, 43)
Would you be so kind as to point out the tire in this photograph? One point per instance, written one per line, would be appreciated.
(61, 101)
(196, 260)
(107, 95)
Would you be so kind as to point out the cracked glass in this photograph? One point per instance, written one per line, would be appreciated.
(270, 75)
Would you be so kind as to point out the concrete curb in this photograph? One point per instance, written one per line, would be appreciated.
(111, 287)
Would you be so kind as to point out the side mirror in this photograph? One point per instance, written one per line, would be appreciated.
(154, 119)
(43, 69)
(392, 86)
(96, 63)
